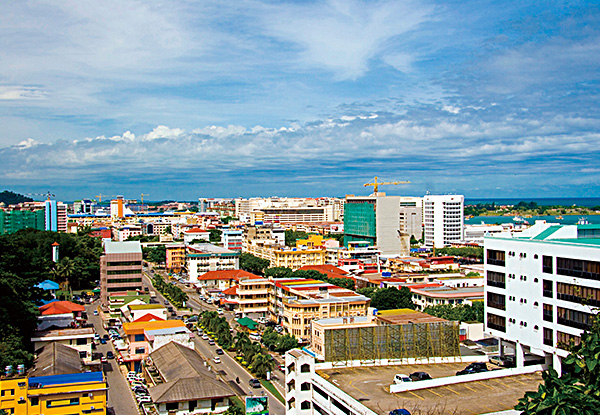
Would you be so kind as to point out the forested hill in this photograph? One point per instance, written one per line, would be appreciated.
(10, 198)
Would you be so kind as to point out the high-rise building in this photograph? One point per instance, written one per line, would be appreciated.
(14, 220)
(55, 216)
(542, 288)
(120, 268)
(387, 222)
(443, 219)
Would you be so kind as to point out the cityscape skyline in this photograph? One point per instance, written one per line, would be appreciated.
(184, 99)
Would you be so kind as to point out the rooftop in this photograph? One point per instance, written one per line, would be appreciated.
(86, 377)
(145, 306)
(128, 247)
(60, 307)
(138, 327)
(233, 274)
(406, 316)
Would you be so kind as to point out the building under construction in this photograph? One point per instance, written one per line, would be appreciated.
(390, 334)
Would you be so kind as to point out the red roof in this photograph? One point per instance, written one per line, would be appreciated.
(231, 290)
(55, 244)
(232, 274)
(196, 230)
(148, 317)
(60, 307)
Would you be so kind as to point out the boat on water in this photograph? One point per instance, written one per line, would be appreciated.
(582, 221)
(518, 219)
(559, 217)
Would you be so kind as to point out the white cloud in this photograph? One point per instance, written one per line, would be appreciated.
(11, 93)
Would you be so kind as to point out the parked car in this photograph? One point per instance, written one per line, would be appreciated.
(254, 383)
(105, 337)
(110, 355)
(416, 376)
(103, 359)
(476, 367)
(204, 336)
(217, 359)
(504, 361)
(138, 390)
(219, 351)
(400, 378)
(400, 411)
(143, 399)
(220, 311)
(211, 342)
(102, 341)
(282, 368)
(166, 302)
(95, 312)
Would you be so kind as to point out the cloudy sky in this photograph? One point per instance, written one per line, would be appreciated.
(181, 99)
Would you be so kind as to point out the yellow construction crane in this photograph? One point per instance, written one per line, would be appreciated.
(100, 196)
(376, 184)
(144, 194)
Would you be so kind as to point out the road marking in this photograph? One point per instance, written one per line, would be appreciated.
(350, 384)
(471, 389)
(435, 393)
(483, 384)
(452, 390)
(517, 380)
(414, 394)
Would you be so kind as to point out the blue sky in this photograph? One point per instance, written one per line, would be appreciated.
(182, 99)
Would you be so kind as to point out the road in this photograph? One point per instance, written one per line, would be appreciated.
(120, 398)
(229, 369)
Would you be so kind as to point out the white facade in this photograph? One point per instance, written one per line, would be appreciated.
(536, 282)
(443, 219)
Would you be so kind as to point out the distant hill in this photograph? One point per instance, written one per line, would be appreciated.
(10, 198)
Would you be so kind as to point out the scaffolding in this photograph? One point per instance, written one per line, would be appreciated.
(397, 341)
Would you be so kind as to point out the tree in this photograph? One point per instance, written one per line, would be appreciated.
(286, 342)
(10, 198)
(234, 409)
(292, 236)
(347, 283)
(459, 312)
(392, 298)
(577, 391)
(253, 264)
(261, 364)
(241, 341)
(270, 338)
(279, 272)
(215, 236)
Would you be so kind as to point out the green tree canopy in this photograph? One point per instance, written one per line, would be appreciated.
(459, 312)
(367, 291)
(392, 298)
(215, 236)
(577, 391)
(253, 264)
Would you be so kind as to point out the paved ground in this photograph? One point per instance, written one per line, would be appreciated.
(120, 398)
(371, 387)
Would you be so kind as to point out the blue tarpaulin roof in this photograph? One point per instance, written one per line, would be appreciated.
(86, 377)
(48, 285)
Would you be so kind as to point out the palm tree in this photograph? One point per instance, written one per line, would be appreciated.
(250, 350)
(241, 341)
(63, 271)
(261, 364)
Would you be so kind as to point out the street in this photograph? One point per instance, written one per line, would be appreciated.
(229, 368)
(120, 398)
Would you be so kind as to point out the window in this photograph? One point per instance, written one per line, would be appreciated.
(547, 290)
(575, 319)
(578, 294)
(140, 350)
(305, 386)
(305, 368)
(496, 257)
(139, 338)
(35, 401)
(547, 264)
(496, 279)
(81, 342)
(548, 340)
(578, 268)
(564, 340)
(496, 301)
(82, 355)
(548, 313)
(496, 322)
(172, 406)
(7, 392)
(305, 405)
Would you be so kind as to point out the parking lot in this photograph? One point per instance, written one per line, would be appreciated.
(370, 385)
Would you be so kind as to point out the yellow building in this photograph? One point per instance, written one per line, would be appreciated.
(281, 256)
(175, 257)
(75, 393)
(316, 241)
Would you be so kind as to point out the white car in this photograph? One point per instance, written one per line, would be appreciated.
(220, 311)
(143, 398)
(400, 378)
(217, 359)
(205, 336)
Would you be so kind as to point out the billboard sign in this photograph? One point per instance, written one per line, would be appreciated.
(257, 405)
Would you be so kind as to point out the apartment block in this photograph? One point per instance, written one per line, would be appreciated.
(202, 258)
(443, 220)
(120, 268)
(542, 288)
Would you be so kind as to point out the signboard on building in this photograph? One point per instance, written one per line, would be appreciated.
(257, 405)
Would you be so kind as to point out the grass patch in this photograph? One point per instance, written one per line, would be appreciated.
(269, 386)
(239, 402)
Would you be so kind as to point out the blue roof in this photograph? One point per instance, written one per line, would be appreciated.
(86, 377)
(48, 285)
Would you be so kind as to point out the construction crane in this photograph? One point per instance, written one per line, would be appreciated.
(47, 194)
(376, 184)
(144, 194)
(100, 196)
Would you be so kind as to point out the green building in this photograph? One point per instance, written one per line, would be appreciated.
(360, 220)
(13, 220)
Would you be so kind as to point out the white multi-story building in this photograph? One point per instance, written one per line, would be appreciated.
(443, 219)
(542, 288)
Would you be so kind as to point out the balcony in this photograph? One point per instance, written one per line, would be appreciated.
(498, 262)
(498, 327)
